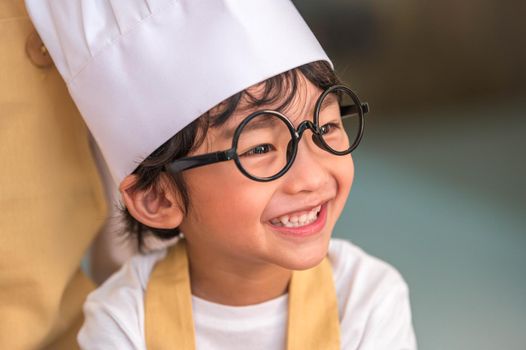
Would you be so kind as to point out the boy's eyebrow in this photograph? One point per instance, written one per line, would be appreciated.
(261, 123)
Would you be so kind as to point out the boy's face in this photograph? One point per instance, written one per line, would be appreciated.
(234, 218)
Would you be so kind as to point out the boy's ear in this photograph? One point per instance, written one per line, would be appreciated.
(158, 208)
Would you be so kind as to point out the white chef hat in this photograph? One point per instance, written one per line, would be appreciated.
(141, 70)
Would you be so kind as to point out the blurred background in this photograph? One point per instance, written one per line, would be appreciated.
(439, 190)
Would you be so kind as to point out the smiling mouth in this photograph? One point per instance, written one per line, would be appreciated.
(297, 219)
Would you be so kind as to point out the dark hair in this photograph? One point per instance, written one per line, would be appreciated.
(280, 88)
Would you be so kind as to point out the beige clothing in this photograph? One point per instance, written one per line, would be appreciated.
(51, 199)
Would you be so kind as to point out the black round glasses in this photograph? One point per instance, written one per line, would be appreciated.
(265, 144)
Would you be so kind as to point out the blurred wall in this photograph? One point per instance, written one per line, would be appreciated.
(409, 53)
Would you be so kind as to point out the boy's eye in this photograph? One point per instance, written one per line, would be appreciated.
(258, 150)
(328, 128)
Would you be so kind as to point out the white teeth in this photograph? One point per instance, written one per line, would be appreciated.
(284, 219)
(297, 221)
(275, 221)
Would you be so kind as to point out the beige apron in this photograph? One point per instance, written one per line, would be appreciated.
(51, 200)
(313, 309)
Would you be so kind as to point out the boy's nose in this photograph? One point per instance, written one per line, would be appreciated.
(309, 171)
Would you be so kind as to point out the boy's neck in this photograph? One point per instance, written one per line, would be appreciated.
(235, 284)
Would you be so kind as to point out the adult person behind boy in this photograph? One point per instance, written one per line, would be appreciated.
(51, 198)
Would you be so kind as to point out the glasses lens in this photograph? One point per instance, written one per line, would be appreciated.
(339, 120)
(262, 145)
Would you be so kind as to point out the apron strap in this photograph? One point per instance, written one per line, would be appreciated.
(168, 303)
(313, 310)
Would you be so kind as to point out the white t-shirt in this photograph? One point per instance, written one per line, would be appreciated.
(372, 297)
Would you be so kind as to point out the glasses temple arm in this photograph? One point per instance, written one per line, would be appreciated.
(352, 109)
(197, 161)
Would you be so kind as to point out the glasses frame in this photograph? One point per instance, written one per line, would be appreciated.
(359, 108)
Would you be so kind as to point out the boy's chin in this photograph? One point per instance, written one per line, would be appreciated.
(308, 260)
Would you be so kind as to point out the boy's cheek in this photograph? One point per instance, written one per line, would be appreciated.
(234, 203)
(344, 174)
(342, 168)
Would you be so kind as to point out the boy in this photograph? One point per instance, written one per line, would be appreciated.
(223, 120)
